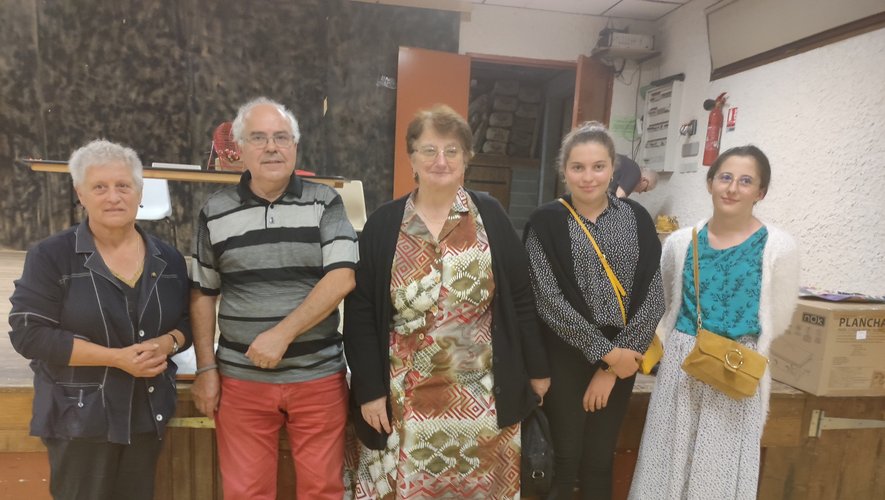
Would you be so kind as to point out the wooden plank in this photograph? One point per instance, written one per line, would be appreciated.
(17, 403)
(785, 422)
(19, 440)
(181, 473)
(205, 176)
(839, 464)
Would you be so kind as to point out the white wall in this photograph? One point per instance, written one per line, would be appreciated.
(536, 34)
(820, 118)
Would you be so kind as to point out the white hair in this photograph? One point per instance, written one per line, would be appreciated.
(100, 153)
(239, 124)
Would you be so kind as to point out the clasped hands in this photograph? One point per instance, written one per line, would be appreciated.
(623, 363)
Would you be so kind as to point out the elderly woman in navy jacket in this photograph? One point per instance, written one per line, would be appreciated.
(99, 309)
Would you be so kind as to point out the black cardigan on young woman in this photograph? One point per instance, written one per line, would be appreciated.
(518, 352)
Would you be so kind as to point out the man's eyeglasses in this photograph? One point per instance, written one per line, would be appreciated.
(744, 181)
(281, 140)
(431, 152)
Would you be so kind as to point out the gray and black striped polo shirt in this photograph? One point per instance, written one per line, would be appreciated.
(264, 258)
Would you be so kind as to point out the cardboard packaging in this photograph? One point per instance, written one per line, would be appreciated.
(833, 349)
(630, 41)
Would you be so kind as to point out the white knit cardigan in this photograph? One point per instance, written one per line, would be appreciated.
(777, 300)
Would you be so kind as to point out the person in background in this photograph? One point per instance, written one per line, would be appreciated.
(698, 442)
(629, 178)
(282, 254)
(99, 309)
(441, 334)
(594, 339)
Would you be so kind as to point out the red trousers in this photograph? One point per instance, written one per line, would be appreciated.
(250, 416)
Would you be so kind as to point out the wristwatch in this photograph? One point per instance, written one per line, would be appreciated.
(174, 343)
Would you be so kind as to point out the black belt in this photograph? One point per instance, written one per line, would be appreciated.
(295, 349)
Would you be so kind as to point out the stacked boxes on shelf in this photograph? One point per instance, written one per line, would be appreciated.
(505, 116)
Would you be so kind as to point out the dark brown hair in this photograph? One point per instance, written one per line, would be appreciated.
(585, 132)
(762, 164)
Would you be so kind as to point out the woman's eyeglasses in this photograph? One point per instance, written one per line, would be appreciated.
(431, 152)
(744, 181)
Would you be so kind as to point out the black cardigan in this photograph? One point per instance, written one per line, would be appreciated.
(518, 352)
(550, 224)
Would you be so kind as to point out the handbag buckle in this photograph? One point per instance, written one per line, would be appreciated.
(537, 474)
(734, 359)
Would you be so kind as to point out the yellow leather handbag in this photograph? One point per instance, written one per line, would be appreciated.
(728, 366)
(656, 350)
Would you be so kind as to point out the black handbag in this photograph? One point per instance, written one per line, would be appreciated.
(537, 455)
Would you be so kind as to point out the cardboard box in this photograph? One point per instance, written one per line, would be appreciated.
(630, 41)
(833, 349)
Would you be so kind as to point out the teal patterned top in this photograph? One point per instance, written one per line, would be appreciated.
(730, 283)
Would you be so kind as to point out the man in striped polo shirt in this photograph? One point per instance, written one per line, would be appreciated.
(281, 253)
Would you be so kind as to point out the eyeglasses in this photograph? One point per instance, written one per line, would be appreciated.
(744, 181)
(431, 152)
(281, 140)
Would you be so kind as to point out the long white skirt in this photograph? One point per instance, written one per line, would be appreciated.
(697, 443)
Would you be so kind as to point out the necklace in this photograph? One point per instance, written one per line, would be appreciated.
(129, 281)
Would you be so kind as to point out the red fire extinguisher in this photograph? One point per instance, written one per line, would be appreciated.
(714, 128)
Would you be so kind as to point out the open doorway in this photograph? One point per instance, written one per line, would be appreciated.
(518, 114)
(519, 109)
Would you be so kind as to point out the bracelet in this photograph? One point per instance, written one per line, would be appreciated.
(206, 369)
(175, 345)
(610, 367)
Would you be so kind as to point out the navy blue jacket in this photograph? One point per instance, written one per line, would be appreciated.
(66, 291)
(518, 352)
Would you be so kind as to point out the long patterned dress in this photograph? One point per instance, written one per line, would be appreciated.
(445, 442)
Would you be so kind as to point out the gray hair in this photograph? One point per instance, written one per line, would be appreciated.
(239, 124)
(652, 177)
(102, 152)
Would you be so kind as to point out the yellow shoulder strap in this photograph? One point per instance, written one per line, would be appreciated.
(620, 293)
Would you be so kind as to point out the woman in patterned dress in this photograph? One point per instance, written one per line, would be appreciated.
(593, 343)
(698, 443)
(441, 334)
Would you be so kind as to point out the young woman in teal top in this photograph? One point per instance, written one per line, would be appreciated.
(731, 279)
(699, 443)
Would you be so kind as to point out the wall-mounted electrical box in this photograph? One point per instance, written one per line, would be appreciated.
(661, 147)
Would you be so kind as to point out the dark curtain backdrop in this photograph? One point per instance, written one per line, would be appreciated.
(159, 75)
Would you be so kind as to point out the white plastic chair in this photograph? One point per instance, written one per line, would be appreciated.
(156, 204)
(354, 203)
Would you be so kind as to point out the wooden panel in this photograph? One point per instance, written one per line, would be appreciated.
(785, 422)
(424, 78)
(16, 406)
(19, 440)
(492, 180)
(593, 91)
(840, 464)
